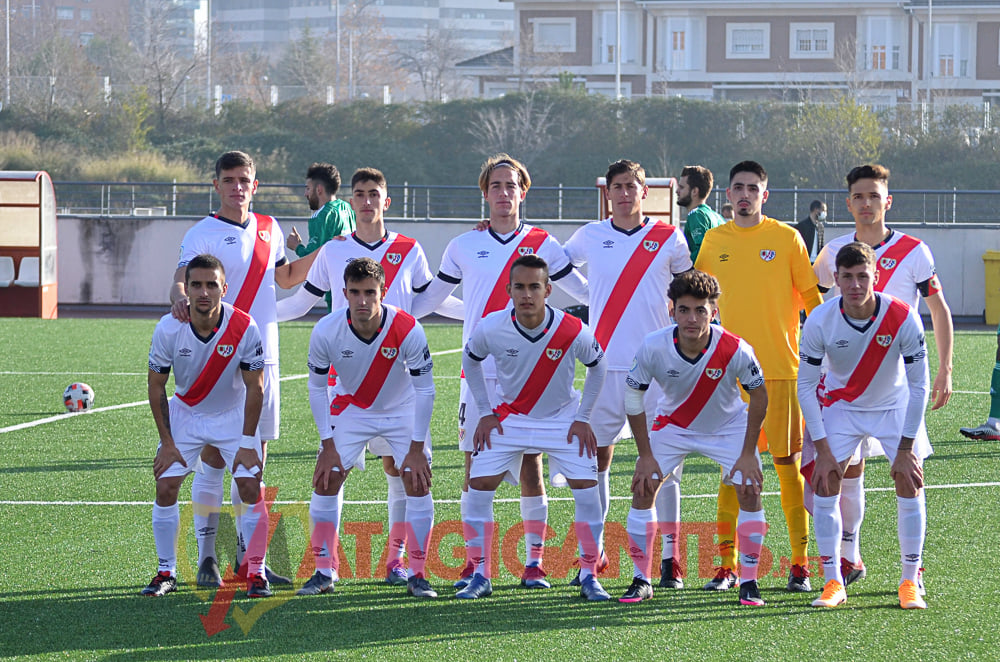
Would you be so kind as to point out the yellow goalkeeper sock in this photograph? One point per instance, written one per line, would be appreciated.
(796, 517)
(728, 511)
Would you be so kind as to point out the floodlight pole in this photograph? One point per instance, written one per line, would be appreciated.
(618, 49)
(6, 89)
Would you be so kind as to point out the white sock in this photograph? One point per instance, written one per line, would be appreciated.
(535, 515)
(238, 507)
(668, 512)
(641, 527)
(604, 492)
(829, 528)
(324, 512)
(206, 495)
(751, 527)
(852, 510)
(419, 520)
(397, 518)
(911, 517)
(589, 527)
(463, 513)
(255, 529)
(478, 529)
(166, 522)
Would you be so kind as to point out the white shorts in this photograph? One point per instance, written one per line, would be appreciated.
(865, 433)
(192, 431)
(672, 444)
(608, 419)
(523, 435)
(354, 432)
(468, 412)
(270, 412)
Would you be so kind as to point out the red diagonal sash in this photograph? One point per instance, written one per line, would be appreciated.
(541, 374)
(258, 264)
(628, 281)
(388, 352)
(528, 246)
(715, 369)
(885, 266)
(225, 350)
(871, 360)
(394, 257)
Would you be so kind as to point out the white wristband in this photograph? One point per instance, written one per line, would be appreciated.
(248, 441)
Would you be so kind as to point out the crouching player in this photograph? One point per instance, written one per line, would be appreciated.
(875, 386)
(535, 348)
(700, 367)
(218, 375)
(384, 391)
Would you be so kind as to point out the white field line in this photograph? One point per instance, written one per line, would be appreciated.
(714, 495)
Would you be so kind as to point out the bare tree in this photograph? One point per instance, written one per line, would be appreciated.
(432, 63)
(534, 69)
(526, 129)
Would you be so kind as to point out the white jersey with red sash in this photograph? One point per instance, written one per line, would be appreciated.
(249, 254)
(402, 258)
(902, 263)
(867, 362)
(373, 375)
(702, 394)
(535, 372)
(207, 370)
(481, 262)
(628, 273)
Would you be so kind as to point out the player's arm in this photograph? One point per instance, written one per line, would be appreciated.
(592, 356)
(647, 474)
(811, 353)
(178, 296)
(253, 380)
(803, 276)
(300, 303)
(472, 365)
(328, 460)
(430, 298)
(912, 347)
(573, 283)
(289, 274)
(747, 465)
(167, 453)
(421, 367)
(944, 335)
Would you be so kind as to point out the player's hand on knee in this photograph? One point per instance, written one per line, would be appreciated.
(906, 468)
(647, 476)
(583, 432)
(416, 466)
(166, 455)
(327, 462)
(487, 424)
(747, 471)
(248, 458)
(827, 472)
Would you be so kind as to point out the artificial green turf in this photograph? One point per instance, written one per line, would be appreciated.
(70, 572)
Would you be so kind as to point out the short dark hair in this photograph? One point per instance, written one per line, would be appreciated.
(531, 261)
(233, 159)
(853, 254)
(624, 166)
(362, 268)
(204, 261)
(368, 175)
(326, 174)
(748, 166)
(816, 204)
(725, 206)
(699, 177)
(697, 284)
(869, 171)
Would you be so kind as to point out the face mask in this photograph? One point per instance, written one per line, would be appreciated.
(821, 216)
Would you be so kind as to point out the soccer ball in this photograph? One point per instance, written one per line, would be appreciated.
(78, 397)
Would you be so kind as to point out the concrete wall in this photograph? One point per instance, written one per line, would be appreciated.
(131, 260)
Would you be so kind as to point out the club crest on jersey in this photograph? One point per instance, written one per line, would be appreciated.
(767, 255)
(884, 340)
(265, 235)
(650, 245)
(225, 351)
(887, 263)
(525, 250)
(713, 373)
(389, 352)
(393, 258)
(554, 354)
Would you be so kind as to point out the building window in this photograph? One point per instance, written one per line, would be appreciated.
(951, 50)
(608, 35)
(881, 45)
(553, 35)
(811, 40)
(86, 38)
(676, 44)
(64, 13)
(86, 14)
(748, 40)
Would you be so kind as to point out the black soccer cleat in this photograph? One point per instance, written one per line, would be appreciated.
(750, 594)
(257, 587)
(318, 583)
(670, 574)
(639, 590)
(162, 584)
(208, 574)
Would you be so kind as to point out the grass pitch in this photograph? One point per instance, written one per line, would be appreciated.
(76, 544)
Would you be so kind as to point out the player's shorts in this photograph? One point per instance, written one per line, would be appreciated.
(355, 432)
(608, 417)
(848, 430)
(380, 446)
(270, 411)
(193, 431)
(468, 412)
(782, 430)
(523, 435)
(670, 445)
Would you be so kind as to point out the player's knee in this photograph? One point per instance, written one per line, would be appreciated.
(604, 456)
(249, 489)
(166, 492)
(580, 484)
(211, 456)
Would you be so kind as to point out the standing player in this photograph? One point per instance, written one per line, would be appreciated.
(631, 261)
(693, 188)
(482, 262)
(250, 247)
(535, 349)
(384, 390)
(764, 268)
(699, 367)
(218, 361)
(875, 386)
(904, 268)
(406, 273)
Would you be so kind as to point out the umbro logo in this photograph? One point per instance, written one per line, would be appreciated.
(724, 257)
(609, 243)
(673, 373)
(346, 353)
(482, 254)
(842, 344)
(185, 351)
(230, 240)
(511, 352)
